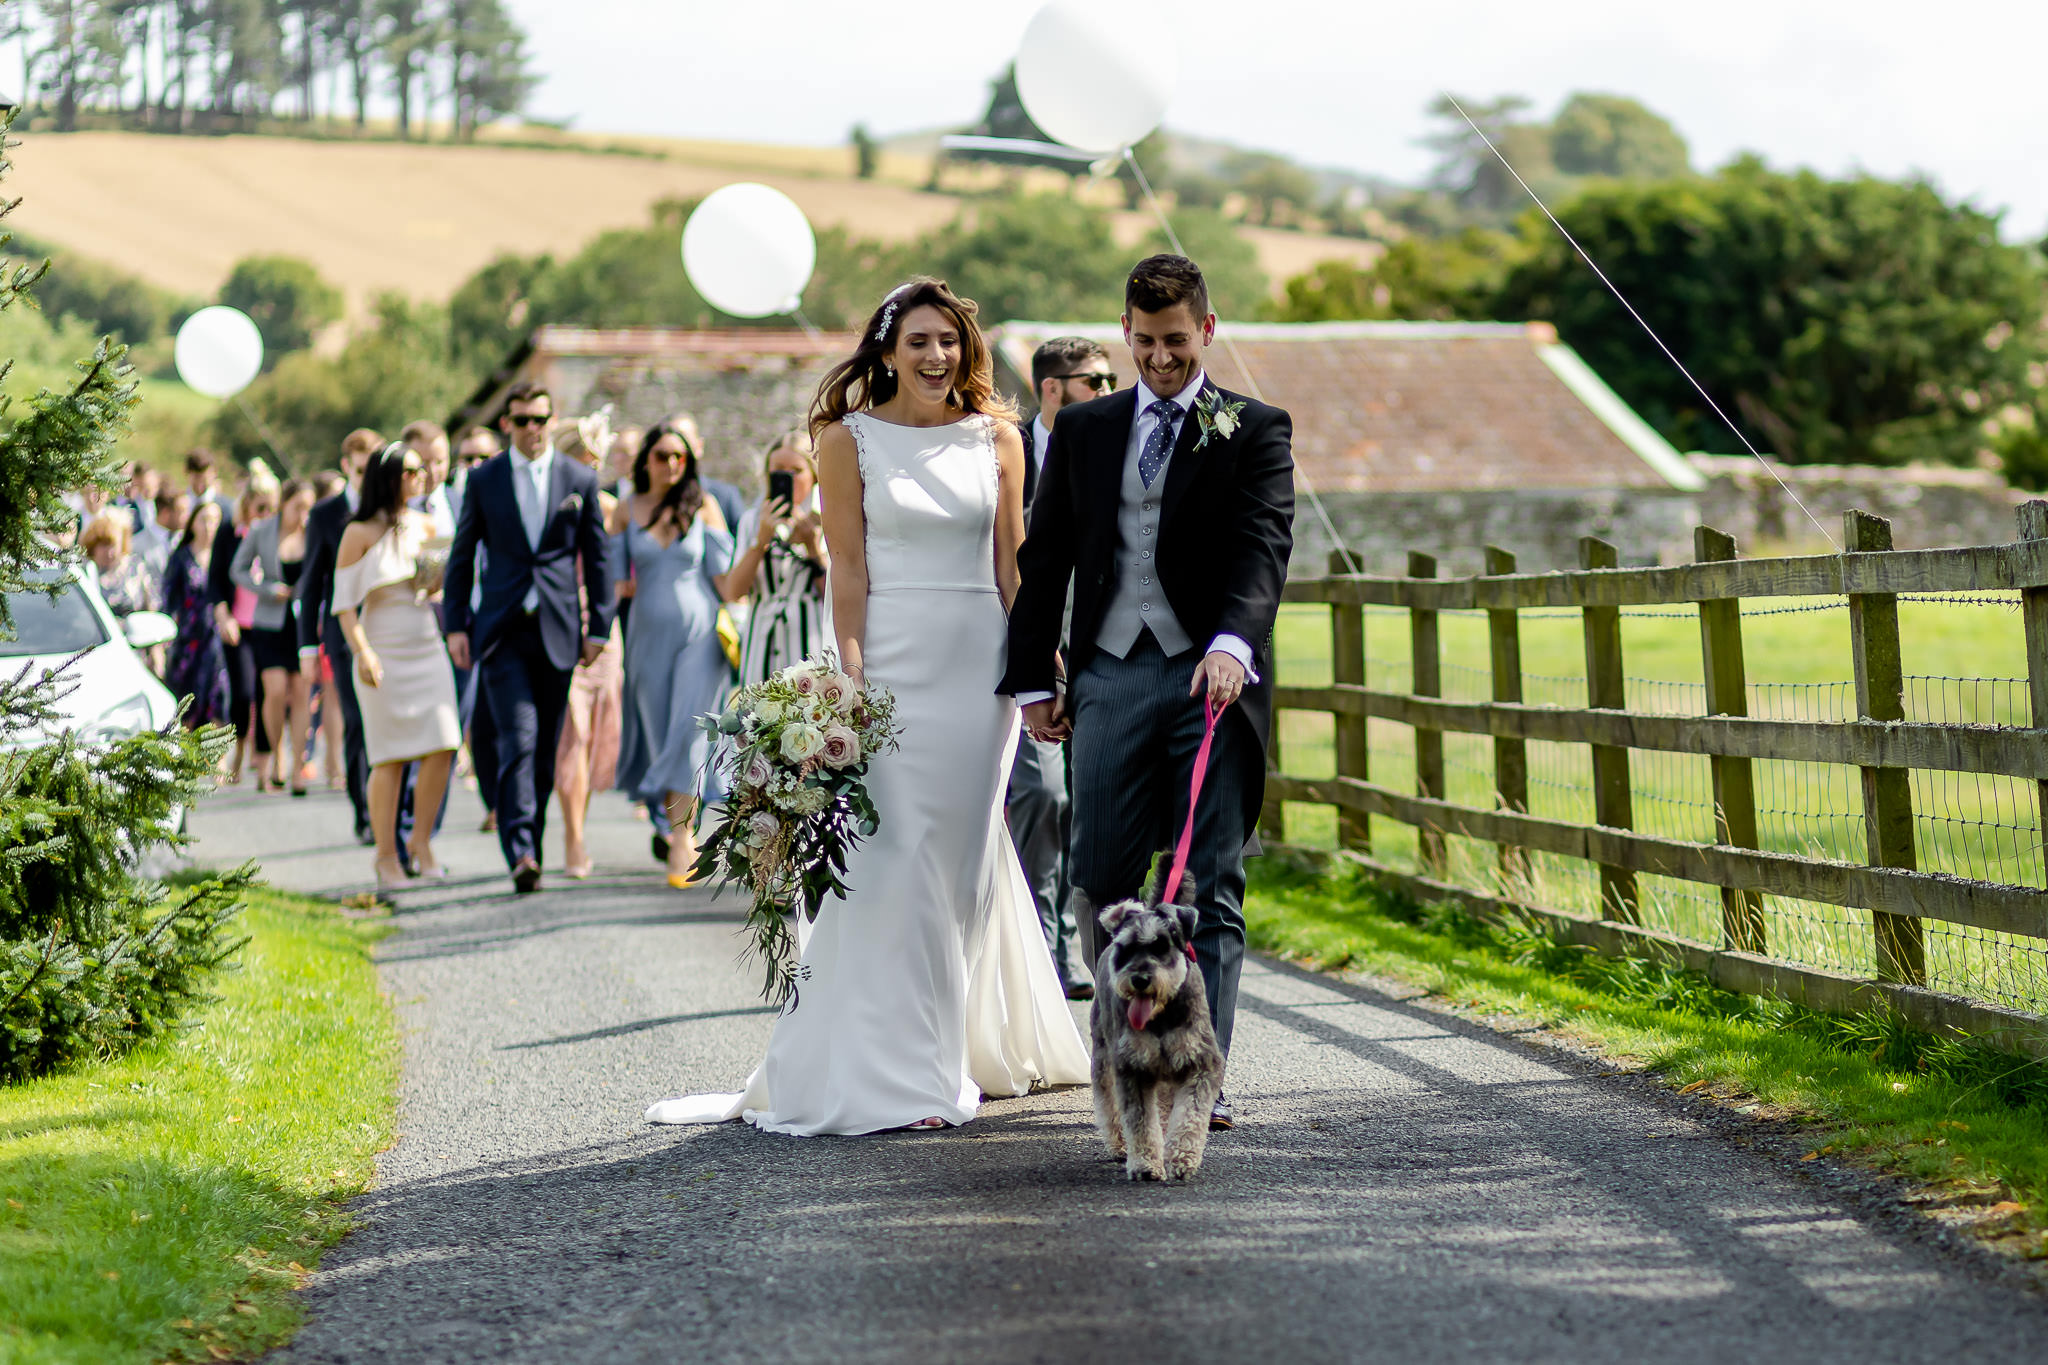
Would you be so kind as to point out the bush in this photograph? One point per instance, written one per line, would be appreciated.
(286, 299)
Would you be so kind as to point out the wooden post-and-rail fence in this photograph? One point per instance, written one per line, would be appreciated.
(1880, 742)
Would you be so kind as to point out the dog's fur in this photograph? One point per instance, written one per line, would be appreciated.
(1156, 1068)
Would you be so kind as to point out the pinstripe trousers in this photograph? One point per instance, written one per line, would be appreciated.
(1136, 731)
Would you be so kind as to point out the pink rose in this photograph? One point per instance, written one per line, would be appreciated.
(836, 691)
(759, 772)
(762, 829)
(842, 747)
(805, 682)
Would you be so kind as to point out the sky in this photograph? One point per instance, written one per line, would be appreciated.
(1955, 91)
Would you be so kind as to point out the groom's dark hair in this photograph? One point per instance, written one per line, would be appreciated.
(1158, 283)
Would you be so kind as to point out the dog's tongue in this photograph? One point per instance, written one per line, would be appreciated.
(1140, 1011)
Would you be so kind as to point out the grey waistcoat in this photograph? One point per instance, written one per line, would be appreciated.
(1138, 604)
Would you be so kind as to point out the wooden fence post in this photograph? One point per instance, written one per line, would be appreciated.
(1347, 667)
(2034, 611)
(1742, 912)
(1426, 666)
(1887, 792)
(1272, 813)
(1605, 690)
(1510, 756)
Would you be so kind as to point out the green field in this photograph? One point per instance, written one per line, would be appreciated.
(1965, 662)
(164, 1205)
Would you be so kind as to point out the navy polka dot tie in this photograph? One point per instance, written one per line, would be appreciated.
(1160, 443)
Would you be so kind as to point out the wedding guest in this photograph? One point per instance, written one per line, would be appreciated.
(674, 543)
(268, 563)
(234, 612)
(731, 501)
(138, 498)
(384, 583)
(125, 580)
(202, 483)
(1065, 371)
(472, 448)
(323, 649)
(780, 567)
(588, 757)
(618, 469)
(197, 670)
(429, 440)
(166, 526)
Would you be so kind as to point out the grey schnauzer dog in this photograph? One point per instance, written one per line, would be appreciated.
(1156, 1067)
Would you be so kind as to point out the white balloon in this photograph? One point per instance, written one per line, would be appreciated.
(219, 351)
(1096, 76)
(749, 251)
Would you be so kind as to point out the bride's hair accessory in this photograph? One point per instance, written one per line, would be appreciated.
(888, 312)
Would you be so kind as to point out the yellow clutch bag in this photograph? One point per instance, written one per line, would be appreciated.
(729, 638)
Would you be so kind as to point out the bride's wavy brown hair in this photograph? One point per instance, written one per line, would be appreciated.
(861, 381)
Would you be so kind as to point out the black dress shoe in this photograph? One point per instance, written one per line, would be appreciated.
(1222, 1118)
(366, 836)
(660, 847)
(526, 876)
(1080, 990)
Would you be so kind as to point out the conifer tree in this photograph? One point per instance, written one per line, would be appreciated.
(94, 955)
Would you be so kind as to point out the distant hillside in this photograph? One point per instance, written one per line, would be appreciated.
(180, 211)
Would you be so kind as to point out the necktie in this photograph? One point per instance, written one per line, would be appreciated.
(1160, 443)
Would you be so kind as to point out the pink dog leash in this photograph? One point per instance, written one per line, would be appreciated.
(1187, 832)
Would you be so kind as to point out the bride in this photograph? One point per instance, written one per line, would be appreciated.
(930, 985)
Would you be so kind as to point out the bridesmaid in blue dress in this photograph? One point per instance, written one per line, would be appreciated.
(673, 544)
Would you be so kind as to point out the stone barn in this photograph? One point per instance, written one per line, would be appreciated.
(745, 386)
(1443, 437)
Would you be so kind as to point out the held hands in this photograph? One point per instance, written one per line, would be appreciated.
(1221, 675)
(458, 648)
(1047, 722)
(591, 649)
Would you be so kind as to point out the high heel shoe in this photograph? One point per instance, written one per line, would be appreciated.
(390, 875)
(428, 870)
(682, 881)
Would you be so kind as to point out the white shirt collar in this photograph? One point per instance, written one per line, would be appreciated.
(1041, 439)
(540, 461)
(1185, 398)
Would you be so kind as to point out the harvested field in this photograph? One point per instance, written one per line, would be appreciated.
(180, 211)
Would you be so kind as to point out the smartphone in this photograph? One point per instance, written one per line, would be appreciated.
(782, 488)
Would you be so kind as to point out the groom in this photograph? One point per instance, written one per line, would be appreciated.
(1170, 511)
(536, 515)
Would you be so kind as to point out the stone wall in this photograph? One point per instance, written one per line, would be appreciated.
(1930, 507)
(739, 409)
(1541, 527)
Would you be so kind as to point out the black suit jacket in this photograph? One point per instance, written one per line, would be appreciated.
(324, 527)
(1226, 529)
(573, 531)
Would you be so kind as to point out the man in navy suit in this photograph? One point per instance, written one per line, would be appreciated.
(537, 518)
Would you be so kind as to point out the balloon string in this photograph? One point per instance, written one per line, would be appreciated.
(1668, 355)
(810, 328)
(262, 431)
(1251, 381)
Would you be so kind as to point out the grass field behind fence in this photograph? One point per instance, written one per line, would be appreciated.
(1965, 661)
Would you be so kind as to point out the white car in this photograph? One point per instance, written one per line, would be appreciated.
(112, 693)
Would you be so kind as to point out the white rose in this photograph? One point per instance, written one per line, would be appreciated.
(801, 743)
(841, 747)
(759, 771)
(768, 711)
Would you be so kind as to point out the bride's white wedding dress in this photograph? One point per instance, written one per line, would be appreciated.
(930, 985)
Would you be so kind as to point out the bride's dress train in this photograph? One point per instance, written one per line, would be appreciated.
(931, 984)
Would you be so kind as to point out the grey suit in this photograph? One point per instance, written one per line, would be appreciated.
(259, 547)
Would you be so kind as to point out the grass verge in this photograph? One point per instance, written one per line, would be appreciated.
(1964, 1123)
(164, 1205)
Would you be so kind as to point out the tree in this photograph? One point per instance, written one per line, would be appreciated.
(1855, 321)
(1150, 153)
(1040, 256)
(1276, 190)
(93, 957)
(1006, 117)
(1237, 283)
(1614, 136)
(866, 154)
(286, 299)
(1417, 278)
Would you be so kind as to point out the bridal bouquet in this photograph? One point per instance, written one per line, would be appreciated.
(796, 749)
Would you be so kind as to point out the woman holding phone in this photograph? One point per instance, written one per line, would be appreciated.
(781, 565)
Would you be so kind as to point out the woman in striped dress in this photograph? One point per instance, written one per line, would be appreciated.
(780, 567)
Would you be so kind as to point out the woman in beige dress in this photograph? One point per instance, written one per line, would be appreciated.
(587, 759)
(385, 578)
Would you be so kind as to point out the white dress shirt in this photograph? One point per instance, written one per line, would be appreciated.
(1142, 425)
(1041, 442)
(440, 509)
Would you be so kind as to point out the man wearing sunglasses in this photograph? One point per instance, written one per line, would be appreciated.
(1064, 371)
(535, 516)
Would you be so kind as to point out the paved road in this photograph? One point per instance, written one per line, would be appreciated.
(1404, 1186)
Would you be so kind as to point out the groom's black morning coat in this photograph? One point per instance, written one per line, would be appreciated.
(1226, 529)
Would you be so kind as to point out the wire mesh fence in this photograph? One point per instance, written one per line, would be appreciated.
(1962, 661)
